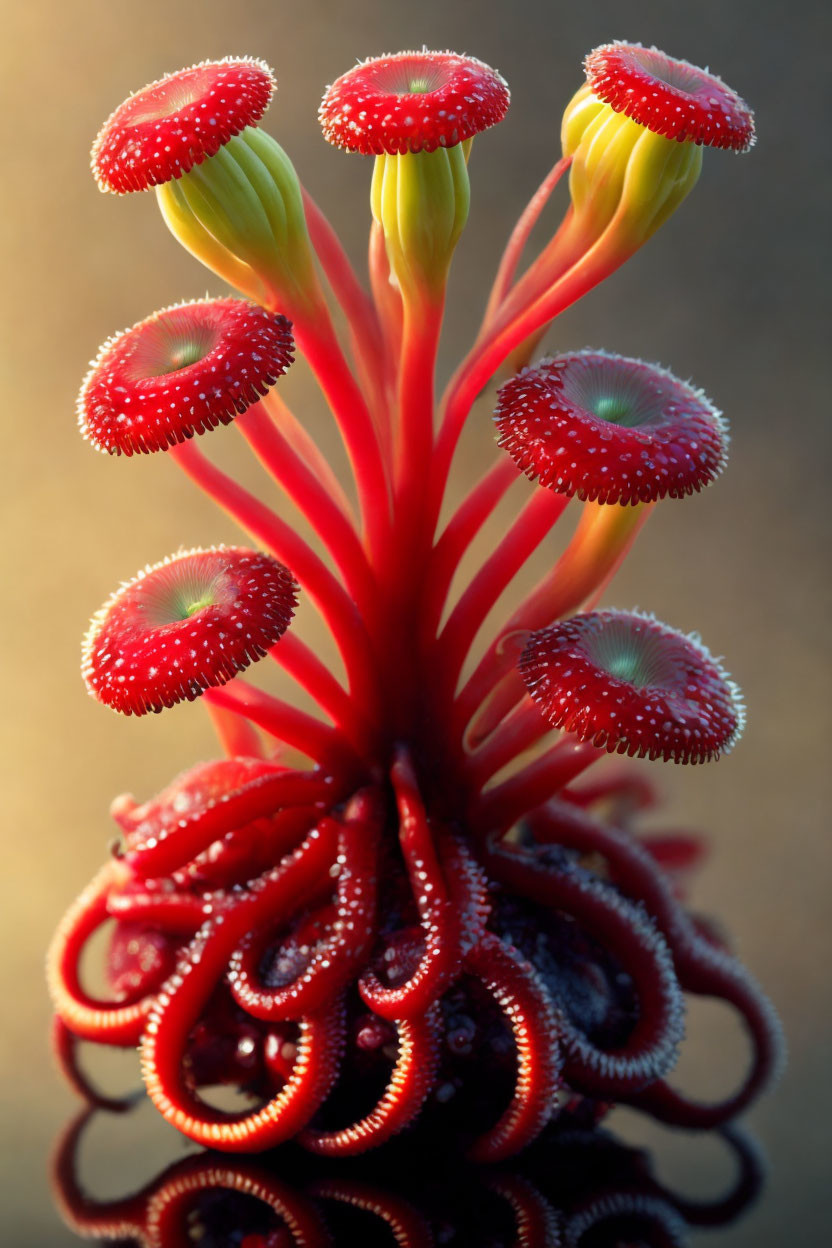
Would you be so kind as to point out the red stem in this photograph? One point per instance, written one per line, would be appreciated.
(601, 542)
(500, 808)
(311, 499)
(520, 236)
(298, 437)
(301, 663)
(482, 362)
(237, 736)
(457, 536)
(317, 341)
(388, 302)
(422, 327)
(522, 539)
(324, 745)
(329, 596)
(410, 541)
(523, 729)
(358, 308)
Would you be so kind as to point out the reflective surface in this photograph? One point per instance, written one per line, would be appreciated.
(577, 1186)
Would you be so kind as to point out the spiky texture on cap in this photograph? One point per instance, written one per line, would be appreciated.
(412, 102)
(669, 97)
(173, 124)
(610, 429)
(180, 372)
(632, 685)
(183, 625)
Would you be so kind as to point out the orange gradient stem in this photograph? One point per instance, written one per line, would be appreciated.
(603, 538)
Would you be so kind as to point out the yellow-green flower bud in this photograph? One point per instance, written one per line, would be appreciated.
(623, 172)
(421, 201)
(241, 213)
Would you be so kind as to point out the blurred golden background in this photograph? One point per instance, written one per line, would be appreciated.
(729, 293)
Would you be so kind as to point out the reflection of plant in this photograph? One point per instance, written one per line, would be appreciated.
(576, 1186)
(422, 920)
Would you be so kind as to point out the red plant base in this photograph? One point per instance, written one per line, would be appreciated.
(387, 961)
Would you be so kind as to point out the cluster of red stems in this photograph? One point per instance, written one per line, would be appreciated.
(435, 918)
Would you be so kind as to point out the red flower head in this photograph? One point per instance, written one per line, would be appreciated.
(631, 685)
(412, 102)
(174, 124)
(669, 97)
(182, 371)
(192, 621)
(611, 429)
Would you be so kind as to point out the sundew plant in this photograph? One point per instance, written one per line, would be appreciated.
(446, 912)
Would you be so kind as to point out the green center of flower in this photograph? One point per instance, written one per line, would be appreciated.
(193, 607)
(176, 593)
(612, 408)
(168, 345)
(619, 392)
(634, 654)
(412, 77)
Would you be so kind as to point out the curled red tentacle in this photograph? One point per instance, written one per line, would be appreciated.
(65, 1049)
(172, 912)
(167, 840)
(538, 1224)
(406, 1223)
(184, 996)
(750, 1177)
(168, 1208)
(711, 972)
(701, 967)
(518, 990)
(112, 1219)
(468, 889)
(244, 853)
(410, 1082)
(649, 1218)
(345, 939)
(650, 1050)
(441, 959)
(108, 1022)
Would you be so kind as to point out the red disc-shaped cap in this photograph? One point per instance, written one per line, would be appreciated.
(669, 97)
(412, 102)
(611, 429)
(631, 685)
(174, 124)
(182, 371)
(192, 621)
